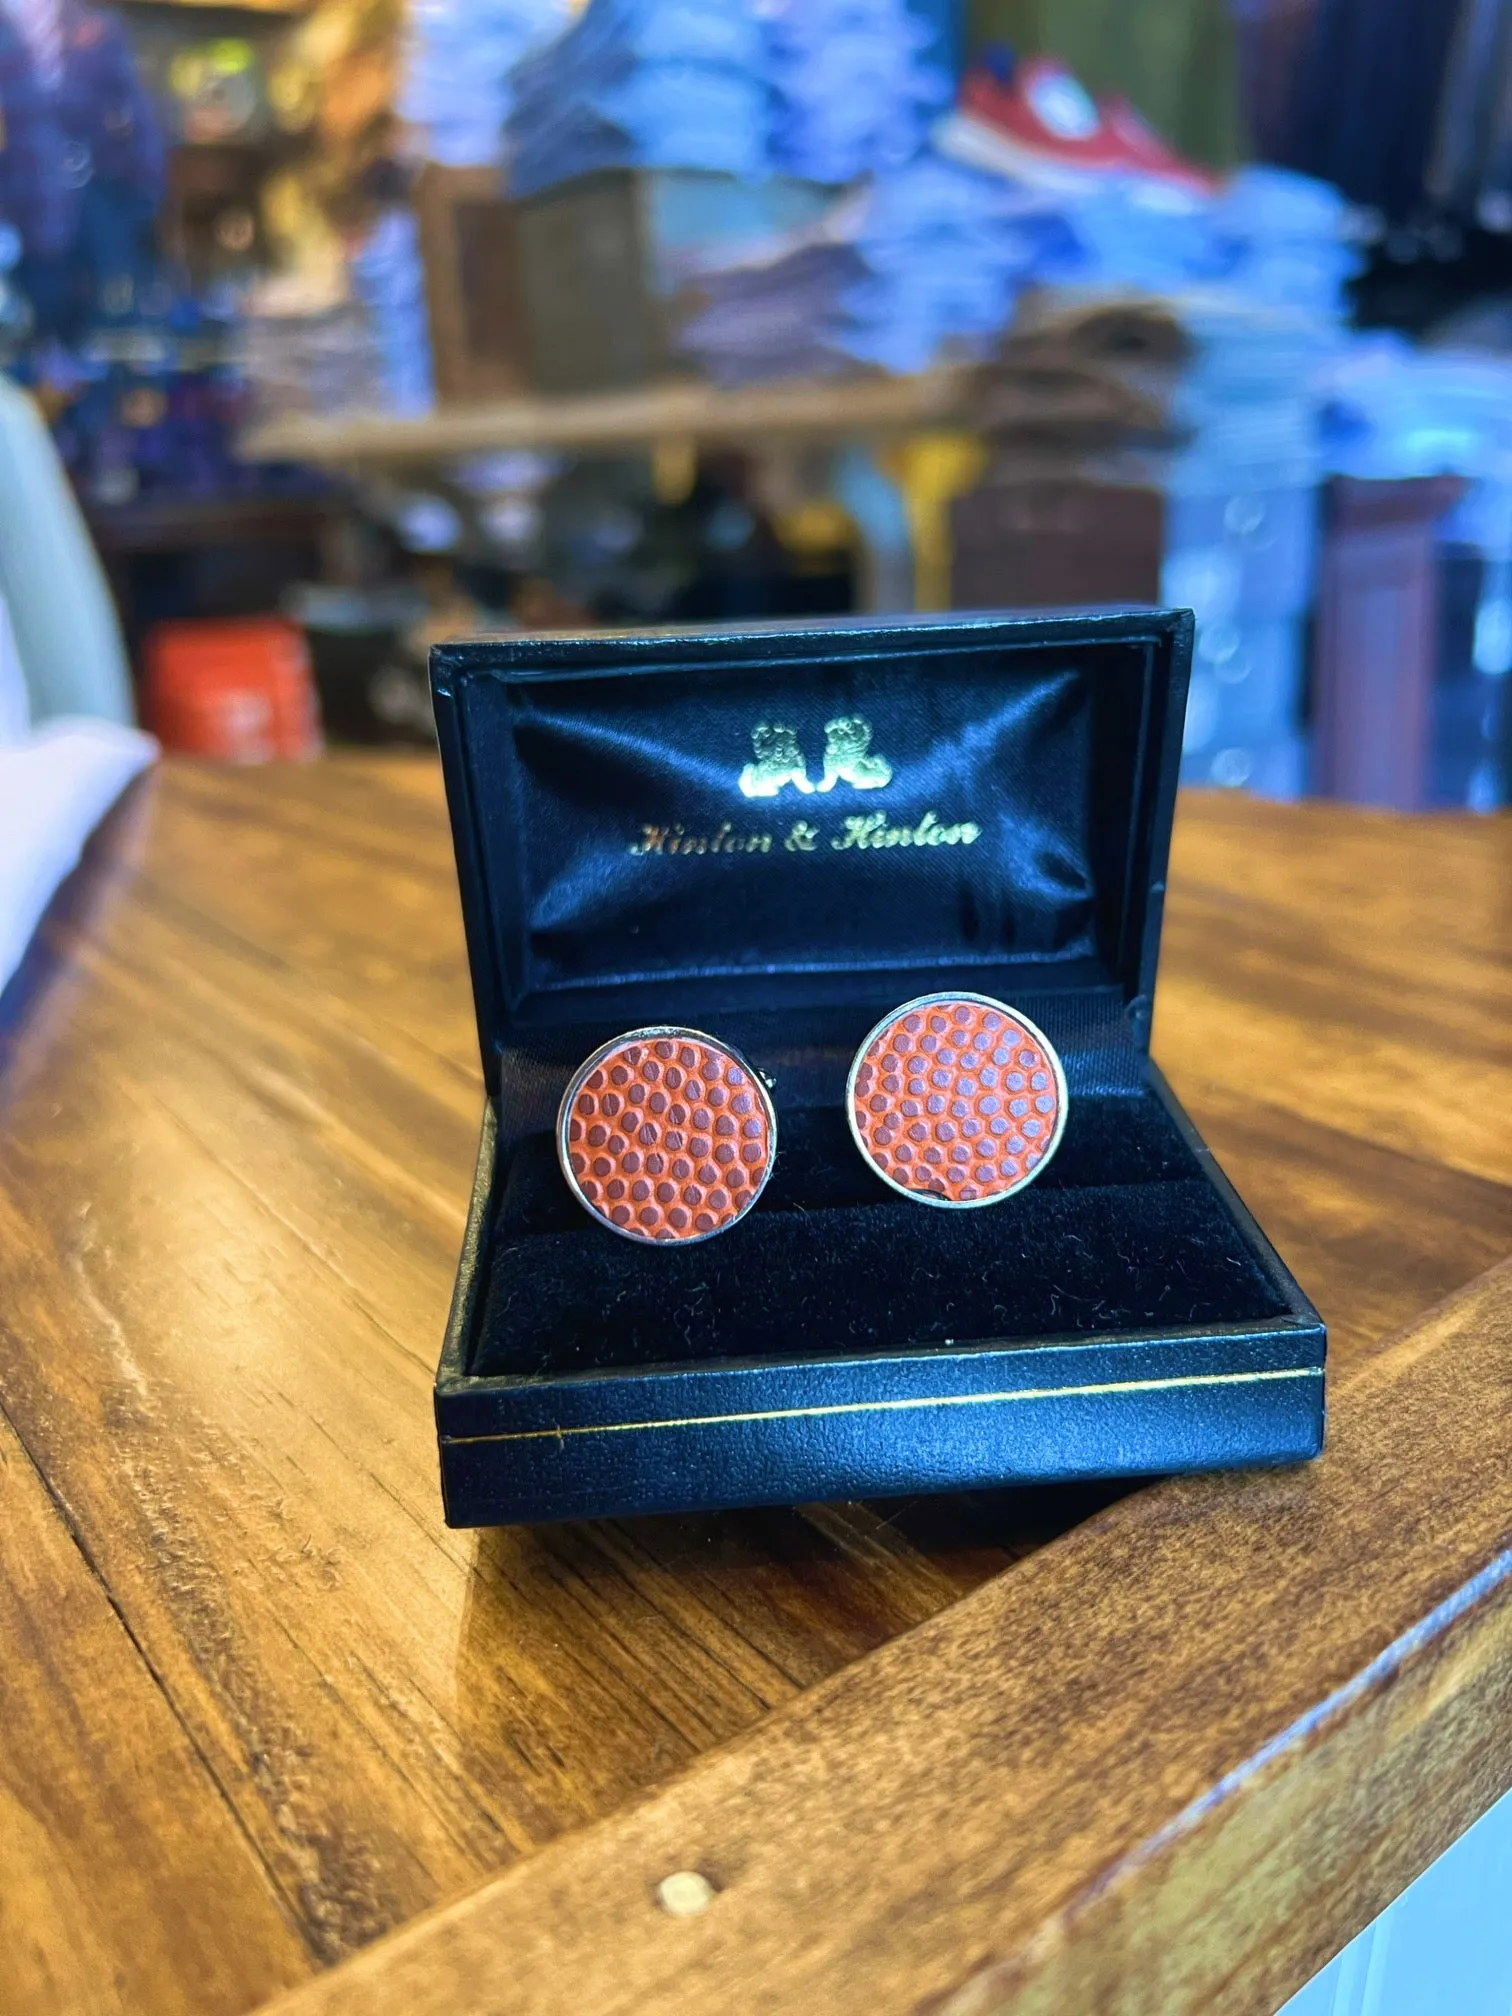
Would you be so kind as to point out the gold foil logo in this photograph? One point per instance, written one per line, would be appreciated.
(848, 757)
(779, 762)
(778, 759)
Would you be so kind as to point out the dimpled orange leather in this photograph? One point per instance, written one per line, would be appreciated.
(669, 1139)
(956, 1102)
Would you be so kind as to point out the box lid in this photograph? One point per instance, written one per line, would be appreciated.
(657, 826)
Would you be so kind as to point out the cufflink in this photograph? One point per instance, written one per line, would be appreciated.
(666, 1136)
(956, 1100)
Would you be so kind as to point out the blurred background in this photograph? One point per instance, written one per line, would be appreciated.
(332, 327)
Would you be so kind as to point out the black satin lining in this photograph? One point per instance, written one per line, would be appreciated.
(1121, 1233)
(570, 775)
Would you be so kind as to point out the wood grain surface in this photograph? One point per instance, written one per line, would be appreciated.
(238, 1105)
(1167, 1765)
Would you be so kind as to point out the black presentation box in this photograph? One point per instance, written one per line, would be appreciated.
(777, 835)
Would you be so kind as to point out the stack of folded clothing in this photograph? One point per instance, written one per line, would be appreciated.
(917, 265)
(1189, 327)
(1153, 423)
(643, 84)
(946, 251)
(855, 83)
(1173, 388)
(1242, 492)
(455, 92)
(1147, 218)
(779, 316)
(1188, 420)
(1268, 235)
(1141, 234)
(1286, 239)
(306, 351)
(1085, 374)
(388, 278)
(1241, 535)
(1248, 396)
(1392, 412)
(1080, 398)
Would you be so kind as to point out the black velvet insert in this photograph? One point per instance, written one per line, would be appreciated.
(1122, 1232)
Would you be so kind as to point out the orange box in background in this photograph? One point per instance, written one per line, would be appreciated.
(238, 691)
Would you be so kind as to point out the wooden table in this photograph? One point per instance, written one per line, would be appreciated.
(259, 1708)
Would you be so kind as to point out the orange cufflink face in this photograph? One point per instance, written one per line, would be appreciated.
(666, 1136)
(957, 1100)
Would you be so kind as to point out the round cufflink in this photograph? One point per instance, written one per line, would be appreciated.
(666, 1136)
(957, 1100)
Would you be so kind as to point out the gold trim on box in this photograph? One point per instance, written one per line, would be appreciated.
(898, 1406)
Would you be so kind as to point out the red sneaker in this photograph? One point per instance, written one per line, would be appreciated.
(1152, 155)
(1034, 121)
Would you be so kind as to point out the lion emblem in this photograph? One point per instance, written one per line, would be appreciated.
(848, 758)
(779, 761)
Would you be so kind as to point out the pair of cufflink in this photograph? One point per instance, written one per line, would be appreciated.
(668, 1136)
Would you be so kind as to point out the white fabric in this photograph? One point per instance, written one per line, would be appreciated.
(15, 709)
(55, 787)
(65, 623)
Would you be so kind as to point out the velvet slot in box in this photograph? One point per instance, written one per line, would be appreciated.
(777, 835)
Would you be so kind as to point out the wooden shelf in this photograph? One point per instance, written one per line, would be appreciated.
(171, 524)
(685, 409)
(280, 7)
